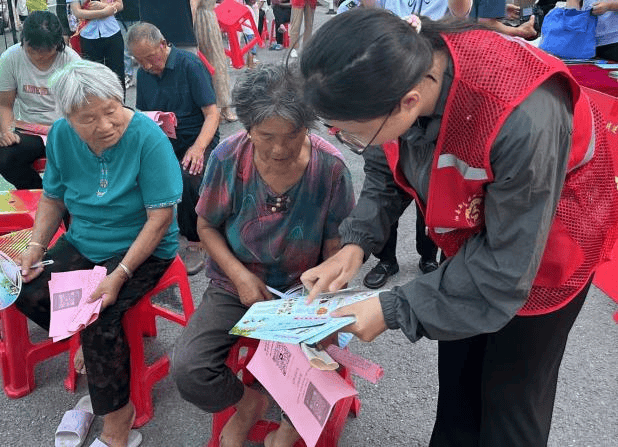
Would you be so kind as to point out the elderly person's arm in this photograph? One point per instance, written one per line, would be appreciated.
(7, 132)
(46, 222)
(250, 288)
(157, 223)
(193, 161)
(460, 8)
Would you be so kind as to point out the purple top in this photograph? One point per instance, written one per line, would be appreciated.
(276, 236)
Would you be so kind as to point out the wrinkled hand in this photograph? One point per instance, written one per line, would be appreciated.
(9, 138)
(369, 318)
(108, 289)
(512, 11)
(527, 30)
(31, 256)
(251, 289)
(600, 8)
(334, 273)
(193, 161)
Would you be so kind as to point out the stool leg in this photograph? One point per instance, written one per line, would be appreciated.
(18, 377)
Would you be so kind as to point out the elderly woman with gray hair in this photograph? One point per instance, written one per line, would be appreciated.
(272, 199)
(115, 173)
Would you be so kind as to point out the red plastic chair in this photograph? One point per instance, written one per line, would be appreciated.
(286, 35)
(39, 165)
(17, 209)
(137, 322)
(18, 355)
(238, 359)
(231, 15)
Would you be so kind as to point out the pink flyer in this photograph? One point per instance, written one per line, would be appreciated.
(306, 394)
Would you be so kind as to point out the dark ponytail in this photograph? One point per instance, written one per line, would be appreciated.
(361, 63)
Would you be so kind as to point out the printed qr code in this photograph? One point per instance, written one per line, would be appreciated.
(67, 299)
(316, 403)
(281, 356)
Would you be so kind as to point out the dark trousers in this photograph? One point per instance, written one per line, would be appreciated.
(16, 162)
(498, 389)
(609, 52)
(186, 215)
(106, 353)
(108, 51)
(198, 359)
(282, 16)
(424, 245)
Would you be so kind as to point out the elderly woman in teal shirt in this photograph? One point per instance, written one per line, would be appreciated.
(115, 173)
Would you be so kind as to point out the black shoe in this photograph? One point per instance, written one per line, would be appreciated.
(331, 12)
(378, 275)
(427, 266)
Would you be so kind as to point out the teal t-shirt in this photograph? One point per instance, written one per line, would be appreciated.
(108, 196)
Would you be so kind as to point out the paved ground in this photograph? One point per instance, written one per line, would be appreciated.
(398, 411)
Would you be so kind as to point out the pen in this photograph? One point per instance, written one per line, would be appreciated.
(42, 264)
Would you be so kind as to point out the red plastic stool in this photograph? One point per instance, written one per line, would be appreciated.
(231, 15)
(137, 322)
(209, 67)
(18, 355)
(286, 35)
(264, 34)
(39, 165)
(240, 355)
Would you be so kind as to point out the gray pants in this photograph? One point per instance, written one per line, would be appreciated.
(198, 359)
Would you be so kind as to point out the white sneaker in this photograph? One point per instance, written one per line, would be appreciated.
(293, 53)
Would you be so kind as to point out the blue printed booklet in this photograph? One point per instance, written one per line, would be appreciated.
(290, 320)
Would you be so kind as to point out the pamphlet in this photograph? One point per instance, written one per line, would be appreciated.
(291, 320)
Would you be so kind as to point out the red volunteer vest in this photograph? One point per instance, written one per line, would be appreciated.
(493, 74)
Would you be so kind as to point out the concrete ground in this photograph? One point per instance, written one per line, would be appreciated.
(398, 411)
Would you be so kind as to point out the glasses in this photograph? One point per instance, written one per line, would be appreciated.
(352, 142)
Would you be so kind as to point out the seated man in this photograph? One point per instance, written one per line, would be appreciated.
(173, 80)
(25, 69)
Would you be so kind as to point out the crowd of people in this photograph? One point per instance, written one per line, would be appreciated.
(499, 148)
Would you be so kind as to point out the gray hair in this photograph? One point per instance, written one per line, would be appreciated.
(80, 79)
(270, 91)
(143, 31)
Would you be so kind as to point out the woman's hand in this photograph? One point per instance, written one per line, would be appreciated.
(251, 289)
(9, 138)
(109, 288)
(512, 11)
(193, 161)
(369, 318)
(335, 272)
(600, 8)
(31, 256)
(95, 6)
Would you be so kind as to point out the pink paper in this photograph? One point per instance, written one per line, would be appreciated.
(356, 364)
(166, 120)
(68, 293)
(307, 395)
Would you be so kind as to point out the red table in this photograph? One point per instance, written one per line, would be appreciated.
(595, 78)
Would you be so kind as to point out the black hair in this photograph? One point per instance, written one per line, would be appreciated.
(361, 63)
(268, 91)
(43, 31)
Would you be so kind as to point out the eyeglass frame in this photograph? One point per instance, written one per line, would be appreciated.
(351, 141)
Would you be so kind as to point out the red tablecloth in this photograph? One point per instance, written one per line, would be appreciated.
(596, 78)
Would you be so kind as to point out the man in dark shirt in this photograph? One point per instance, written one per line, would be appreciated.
(173, 80)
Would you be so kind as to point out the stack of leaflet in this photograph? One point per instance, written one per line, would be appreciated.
(69, 293)
(291, 320)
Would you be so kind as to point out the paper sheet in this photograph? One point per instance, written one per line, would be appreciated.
(68, 293)
(307, 395)
(291, 320)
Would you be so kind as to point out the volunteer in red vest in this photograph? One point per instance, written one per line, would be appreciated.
(508, 161)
